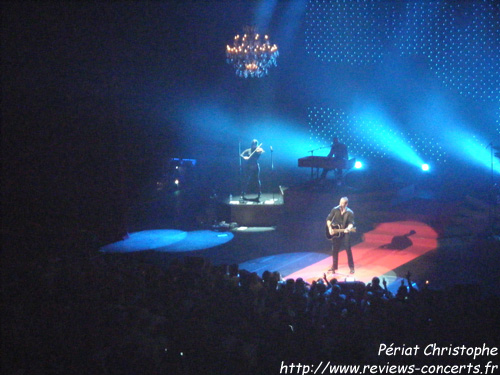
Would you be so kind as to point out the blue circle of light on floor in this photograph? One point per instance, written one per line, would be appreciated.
(168, 240)
(199, 240)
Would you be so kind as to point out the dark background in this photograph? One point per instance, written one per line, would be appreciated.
(97, 96)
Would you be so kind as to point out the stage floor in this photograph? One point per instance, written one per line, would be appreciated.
(397, 232)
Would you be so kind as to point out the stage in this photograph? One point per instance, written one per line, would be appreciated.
(398, 231)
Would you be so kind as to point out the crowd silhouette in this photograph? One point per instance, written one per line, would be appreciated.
(114, 314)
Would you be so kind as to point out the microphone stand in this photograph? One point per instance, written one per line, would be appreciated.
(312, 154)
(316, 149)
(272, 171)
(240, 173)
(493, 197)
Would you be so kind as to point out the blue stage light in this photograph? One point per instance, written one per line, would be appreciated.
(425, 167)
(381, 133)
(168, 240)
(470, 147)
(287, 139)
(371, 132)
(358, 165)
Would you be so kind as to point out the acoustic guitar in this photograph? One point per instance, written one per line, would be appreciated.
(337, 231)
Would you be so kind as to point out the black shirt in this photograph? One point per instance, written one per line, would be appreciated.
(341, 219)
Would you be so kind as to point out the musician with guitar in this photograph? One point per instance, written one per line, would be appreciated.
(252, 168)
(339, 225)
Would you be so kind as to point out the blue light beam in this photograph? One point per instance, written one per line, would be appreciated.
(381, 133)
(471, 148)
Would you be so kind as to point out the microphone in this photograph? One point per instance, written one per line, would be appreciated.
(271, 147)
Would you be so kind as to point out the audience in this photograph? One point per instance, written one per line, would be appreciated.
(117, 315)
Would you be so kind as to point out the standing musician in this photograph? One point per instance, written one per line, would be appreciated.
(339, 224)
(339, 152)
(252, 168)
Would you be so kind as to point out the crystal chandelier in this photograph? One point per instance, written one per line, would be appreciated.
(251, 56)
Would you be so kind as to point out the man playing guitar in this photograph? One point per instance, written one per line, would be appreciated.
(339, 224)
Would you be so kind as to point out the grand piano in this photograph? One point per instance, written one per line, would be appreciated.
(324, 162)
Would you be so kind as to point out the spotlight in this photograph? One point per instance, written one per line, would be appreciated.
(425, 167)
(176, 181)
(358, 165)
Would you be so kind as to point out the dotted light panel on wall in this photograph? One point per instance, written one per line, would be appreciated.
(354, 32)
(498, 123)
(368, 139)
(461, 40)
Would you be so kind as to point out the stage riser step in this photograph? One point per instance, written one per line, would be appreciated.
(257, 215)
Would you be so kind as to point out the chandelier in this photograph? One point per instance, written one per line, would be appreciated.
(251, 56)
